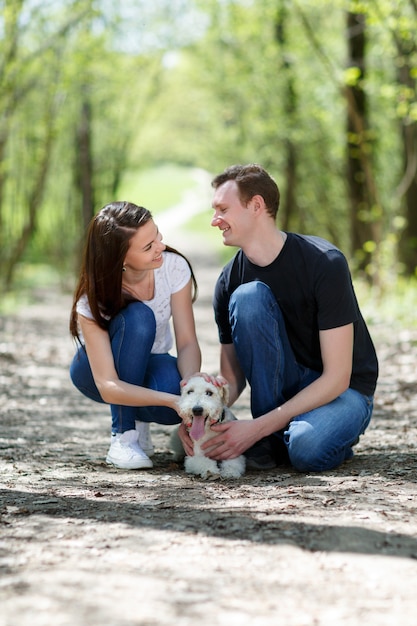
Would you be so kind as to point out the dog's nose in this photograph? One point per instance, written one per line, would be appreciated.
(198, 410)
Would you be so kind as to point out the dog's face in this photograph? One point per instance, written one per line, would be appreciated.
(201, 405)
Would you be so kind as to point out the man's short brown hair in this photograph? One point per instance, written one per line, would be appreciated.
(252, 180)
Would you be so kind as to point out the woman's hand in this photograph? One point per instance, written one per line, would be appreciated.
(218, 381)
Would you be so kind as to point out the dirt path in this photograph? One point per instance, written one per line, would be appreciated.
(82, 544)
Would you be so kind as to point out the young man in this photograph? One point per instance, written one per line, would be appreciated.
(290, 325)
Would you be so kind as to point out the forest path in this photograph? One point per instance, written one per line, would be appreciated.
(84, 544)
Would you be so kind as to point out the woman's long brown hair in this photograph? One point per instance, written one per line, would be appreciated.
(106, 246)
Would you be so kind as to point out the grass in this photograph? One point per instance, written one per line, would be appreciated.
(158, 188)
(393, 305)
(31, 279)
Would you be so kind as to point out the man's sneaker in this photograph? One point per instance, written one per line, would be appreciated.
(144, 437)
(125, 452)
(260, 456)
(267, 454)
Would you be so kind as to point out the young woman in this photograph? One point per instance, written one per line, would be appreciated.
(130, 286)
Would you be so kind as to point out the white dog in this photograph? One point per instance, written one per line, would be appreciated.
(203, 404)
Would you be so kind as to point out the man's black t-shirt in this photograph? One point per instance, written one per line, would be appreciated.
(312, 284)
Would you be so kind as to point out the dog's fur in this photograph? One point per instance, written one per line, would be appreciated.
(203, 404)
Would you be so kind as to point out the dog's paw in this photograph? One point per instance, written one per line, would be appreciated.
(205, 475)
(202, 466)
(211, 476)
(234, 468)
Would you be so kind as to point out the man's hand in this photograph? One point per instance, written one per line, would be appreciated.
(232, 440)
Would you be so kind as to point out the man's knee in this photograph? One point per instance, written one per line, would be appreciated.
(308, 452)
(254, 289)
(304, 458)
(249, 301)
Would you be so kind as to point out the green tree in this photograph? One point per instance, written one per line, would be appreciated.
(71, 106)
(29, 106)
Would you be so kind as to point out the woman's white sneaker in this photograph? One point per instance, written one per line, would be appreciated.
(126, 453)
(144, 438)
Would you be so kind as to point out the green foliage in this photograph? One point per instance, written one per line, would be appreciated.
(197, 84)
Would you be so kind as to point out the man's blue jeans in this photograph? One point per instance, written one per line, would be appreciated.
(132, 333)
(320, 439)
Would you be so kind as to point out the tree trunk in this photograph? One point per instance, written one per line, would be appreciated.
(407, 252)
(358, 147)
(84, 163)
(289, 205)
(35, 198)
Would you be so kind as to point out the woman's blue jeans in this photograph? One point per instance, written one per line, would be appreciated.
(132, 333)
(320, 439)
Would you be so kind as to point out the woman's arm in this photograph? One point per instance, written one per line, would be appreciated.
(188, 350)
(111, 388)
(230, 369)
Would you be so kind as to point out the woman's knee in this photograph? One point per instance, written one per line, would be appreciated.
(79, 368)
(162, 374)
(82, 377)
(136, 322)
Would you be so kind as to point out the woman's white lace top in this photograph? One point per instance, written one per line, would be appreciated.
(171, 277)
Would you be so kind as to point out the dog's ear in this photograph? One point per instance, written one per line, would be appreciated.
(224, 393)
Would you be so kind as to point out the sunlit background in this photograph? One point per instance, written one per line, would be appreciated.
(103, 101)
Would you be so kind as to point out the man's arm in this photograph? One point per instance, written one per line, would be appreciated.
(336, 350)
